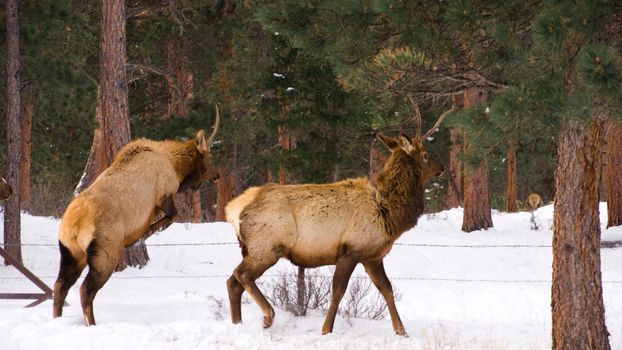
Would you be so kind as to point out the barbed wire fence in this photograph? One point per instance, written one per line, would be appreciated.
(396, 278)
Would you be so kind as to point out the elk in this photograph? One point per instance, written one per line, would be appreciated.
(130, 200)
(534, 201)
(5, 189)
(343, 223)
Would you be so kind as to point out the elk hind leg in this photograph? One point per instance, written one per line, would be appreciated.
(235, 289)
(246, 273)
(343, 270)
(68, 273)
(375, 270)
(102, 262)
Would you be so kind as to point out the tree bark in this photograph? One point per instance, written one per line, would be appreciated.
(577, 302)
(377, 158)
(510, 192)
(477, 213)
(26, 125)
(225, 191)
(12, 219)
(179, 85)
(613, 180)
(455, 188)
(454, 196)
(115, 121)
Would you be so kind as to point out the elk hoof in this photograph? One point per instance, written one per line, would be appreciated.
(326, 330)
(401, 332)
(267, 320)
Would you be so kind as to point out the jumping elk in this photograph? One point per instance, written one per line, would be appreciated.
(5, 189)
(343, 223)
(130, 200)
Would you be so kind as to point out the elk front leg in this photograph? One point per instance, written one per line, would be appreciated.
(169, 211)
(343, 270)
(375, 270)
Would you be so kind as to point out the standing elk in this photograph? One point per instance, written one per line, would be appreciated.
(534, 200)
(5, 189)
(343, 223)
(131, 199)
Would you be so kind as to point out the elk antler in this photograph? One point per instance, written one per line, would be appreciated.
(436, 125)
(416, 117)
(216, 125)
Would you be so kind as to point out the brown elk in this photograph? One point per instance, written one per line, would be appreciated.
(534, 200)
(5, 189)
(342, 224)
(131, 199)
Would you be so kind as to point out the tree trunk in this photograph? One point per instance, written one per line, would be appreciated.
(477, 213)
(455, 188)
(454, 196)
(577, 301)
(197, 210)
(225, 191)
(12, 219)
(183, 203)
(115, 122)
(510, 192)
(179, 85)
(613, 180)
(26, 125)
(377, 158)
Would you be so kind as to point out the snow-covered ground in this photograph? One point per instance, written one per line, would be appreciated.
(455, 294)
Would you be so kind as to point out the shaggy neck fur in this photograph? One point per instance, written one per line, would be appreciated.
(185, 158)
(399, 194)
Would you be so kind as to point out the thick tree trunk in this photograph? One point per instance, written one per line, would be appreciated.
(26, 125)
(12, 220)
(510, 193)
(613, 171)
(115, 127)
(477, 213)
(577, 296)
(183, 203)
(454, 196)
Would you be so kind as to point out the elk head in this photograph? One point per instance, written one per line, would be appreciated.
(205, 171)
(414, 149)
(5, 189)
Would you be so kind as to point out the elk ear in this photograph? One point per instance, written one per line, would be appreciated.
(388, 141)
(201, 142)
(406, 144)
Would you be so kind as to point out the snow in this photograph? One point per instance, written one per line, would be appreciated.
(458, 291)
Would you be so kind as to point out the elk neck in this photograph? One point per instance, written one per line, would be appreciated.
(185, 159)
(399, 194)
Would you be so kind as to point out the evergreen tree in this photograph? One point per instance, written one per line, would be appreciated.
(576, 45)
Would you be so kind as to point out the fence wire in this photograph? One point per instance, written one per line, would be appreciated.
(397, 278)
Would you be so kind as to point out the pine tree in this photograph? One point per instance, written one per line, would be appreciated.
(576, 43)
(12, 219)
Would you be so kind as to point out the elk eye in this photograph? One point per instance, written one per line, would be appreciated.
(425, 156)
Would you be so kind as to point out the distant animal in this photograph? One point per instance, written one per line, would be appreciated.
(342, 224)
(5, 189)
(534, 200)
(129, 200)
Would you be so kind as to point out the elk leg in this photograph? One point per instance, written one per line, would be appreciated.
(375, 270)
(167, 207)
(68, 274)
(101, 265)
(235, 290)
(246, 273)
(343, 270)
